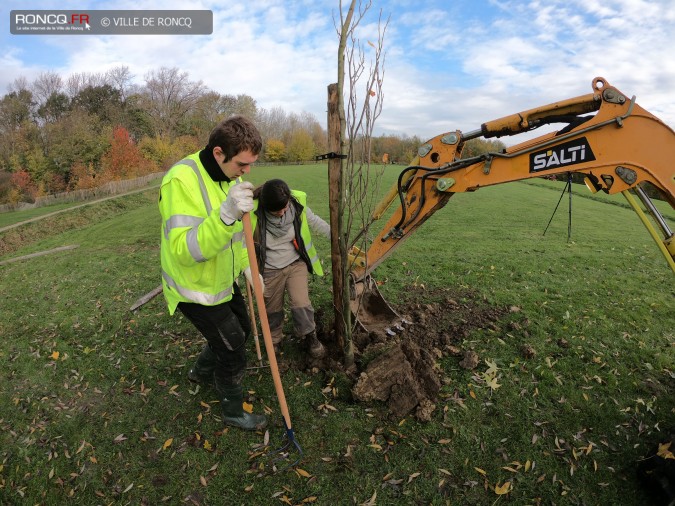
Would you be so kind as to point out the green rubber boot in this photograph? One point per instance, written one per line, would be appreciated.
(232, 398)
(202, 371)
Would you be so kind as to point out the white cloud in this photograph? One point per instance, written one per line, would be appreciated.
(448, 65)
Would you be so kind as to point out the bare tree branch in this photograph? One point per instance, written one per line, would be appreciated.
(358, 183)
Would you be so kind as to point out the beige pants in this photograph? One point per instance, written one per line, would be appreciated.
(292, 280)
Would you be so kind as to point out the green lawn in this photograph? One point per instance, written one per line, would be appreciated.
(95, 407)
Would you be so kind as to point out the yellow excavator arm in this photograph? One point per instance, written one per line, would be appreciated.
(618, 146)
(618, 149)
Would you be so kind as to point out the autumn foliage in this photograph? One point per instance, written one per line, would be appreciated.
(124, 160)
(22, 187)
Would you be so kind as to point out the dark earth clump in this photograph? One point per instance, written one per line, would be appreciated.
(401, 369)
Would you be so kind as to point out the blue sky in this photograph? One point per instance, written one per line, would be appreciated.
(449, 64)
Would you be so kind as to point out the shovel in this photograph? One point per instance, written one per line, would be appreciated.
(269, 346)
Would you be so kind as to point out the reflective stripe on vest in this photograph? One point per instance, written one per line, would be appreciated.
(179, 221)
(182, 221)
(202, 187)
(308, 248)
(206, 299)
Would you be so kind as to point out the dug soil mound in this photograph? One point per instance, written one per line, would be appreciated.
(400, 369)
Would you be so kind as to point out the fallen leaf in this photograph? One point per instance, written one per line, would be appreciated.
(480, 471)
(302, 473)
(202, 480)
(372, 500)
(167, 443)
(248, 407)
(492, 367)
(493, 384)
(664, 451)
(503, 489)
(55, 355)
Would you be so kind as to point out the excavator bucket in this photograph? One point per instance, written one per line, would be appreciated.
(371, 311)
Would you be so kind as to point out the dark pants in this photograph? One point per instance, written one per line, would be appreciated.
(226, 327)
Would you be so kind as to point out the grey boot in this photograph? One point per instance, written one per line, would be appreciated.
(202, 370)
(314, 346)
(232, 398)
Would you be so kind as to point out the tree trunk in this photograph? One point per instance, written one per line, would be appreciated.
(338, 244)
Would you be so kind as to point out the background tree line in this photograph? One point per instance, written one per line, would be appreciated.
(60, 134)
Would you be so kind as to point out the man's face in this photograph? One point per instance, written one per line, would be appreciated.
(239, 165)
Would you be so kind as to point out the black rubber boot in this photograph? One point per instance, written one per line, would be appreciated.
(232, 398)
(202, 371)
(314, 346)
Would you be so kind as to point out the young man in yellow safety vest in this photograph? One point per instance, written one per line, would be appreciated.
(202, 200)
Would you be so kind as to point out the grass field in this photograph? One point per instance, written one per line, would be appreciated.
(95, 407)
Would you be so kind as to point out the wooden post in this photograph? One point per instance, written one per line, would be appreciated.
(335, 202)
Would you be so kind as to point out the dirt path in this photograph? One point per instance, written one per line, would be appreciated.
(37, 218)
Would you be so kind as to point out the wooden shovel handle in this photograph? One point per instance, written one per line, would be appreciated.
(264, 322)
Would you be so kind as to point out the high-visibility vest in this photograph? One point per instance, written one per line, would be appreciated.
(305, 245)
(201, 256)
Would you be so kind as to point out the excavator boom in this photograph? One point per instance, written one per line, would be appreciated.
(617, 145)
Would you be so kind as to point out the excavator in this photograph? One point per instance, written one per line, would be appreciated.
(618, 146)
